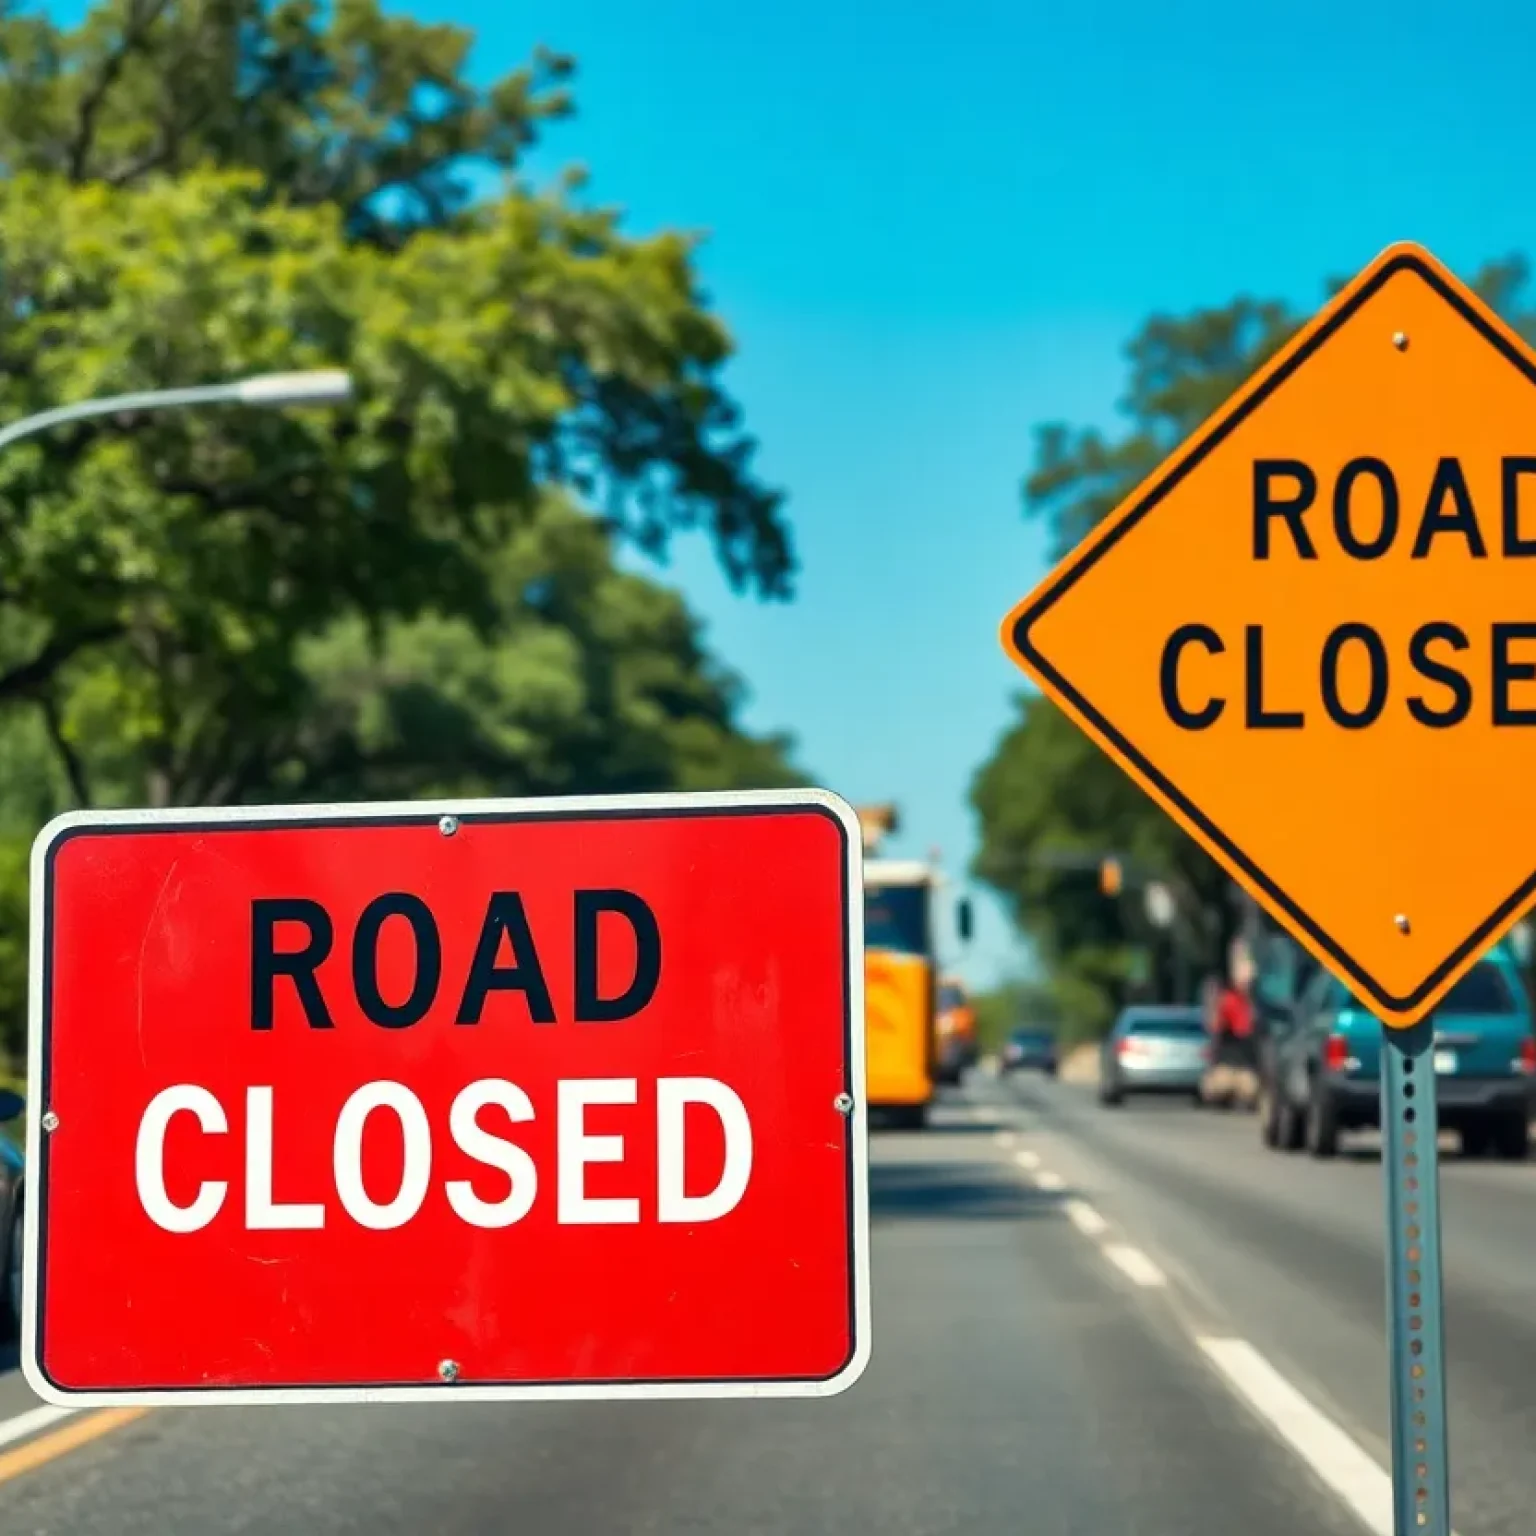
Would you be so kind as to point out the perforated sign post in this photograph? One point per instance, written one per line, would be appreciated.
(431, 1102)
(1309, 637)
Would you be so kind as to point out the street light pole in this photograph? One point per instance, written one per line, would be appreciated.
(323, 386)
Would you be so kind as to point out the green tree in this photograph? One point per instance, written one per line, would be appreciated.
(597, 681)
(397, 598)
(338, 105)
(588, 679)
(1046, 790)
(1047, 793)
(202, 189)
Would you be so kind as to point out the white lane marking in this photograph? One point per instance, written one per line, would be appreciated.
(1027, 1159)
(30, 1422)
(1347, 1469)
(1085, 1218)
(1047, 1180)
(1134, 1263)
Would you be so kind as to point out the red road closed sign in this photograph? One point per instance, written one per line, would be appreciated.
(500, 1100)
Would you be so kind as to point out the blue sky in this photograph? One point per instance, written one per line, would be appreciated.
(932, 228)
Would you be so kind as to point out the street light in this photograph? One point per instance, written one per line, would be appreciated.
(1161, 906)
(319, 386)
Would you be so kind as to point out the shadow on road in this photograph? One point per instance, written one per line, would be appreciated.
(951, 1191)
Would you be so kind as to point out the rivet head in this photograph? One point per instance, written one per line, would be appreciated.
(1400, 340)
(1402, 923)
(448, 825)
(843, 1103)
(50, 1121)
(448, 1369)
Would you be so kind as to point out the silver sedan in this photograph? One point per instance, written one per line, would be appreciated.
(1153, 1049)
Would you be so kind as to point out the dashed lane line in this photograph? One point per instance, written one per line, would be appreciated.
(1134, 1264)
(1085, 1218)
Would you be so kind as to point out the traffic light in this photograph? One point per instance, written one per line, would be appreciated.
(1110, 877)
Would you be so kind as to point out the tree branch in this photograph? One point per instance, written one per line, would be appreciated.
(25, 680)
(74, 767)
(141, 18)
(237, 782)
(165, 153)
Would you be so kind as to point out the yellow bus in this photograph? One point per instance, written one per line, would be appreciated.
(900, 986)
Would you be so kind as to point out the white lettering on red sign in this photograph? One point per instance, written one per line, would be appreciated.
(494, 1152)
(576, 1149)
(673, 1095)
(149, 1158)
(262, 1212)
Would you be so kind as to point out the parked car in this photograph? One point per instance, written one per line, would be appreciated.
(1325, 1065)
(1154, 1049)
(12, 1185)
(1030, 1049)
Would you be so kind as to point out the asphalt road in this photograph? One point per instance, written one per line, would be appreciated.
(1086, 1321)
(1286, 1253)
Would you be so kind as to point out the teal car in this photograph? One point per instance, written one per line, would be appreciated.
(1323, 1065)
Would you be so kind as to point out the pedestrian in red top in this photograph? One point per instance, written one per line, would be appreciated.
(1234, 1052)
(1234, 1013)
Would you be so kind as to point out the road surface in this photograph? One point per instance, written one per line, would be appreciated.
(1086, 1321)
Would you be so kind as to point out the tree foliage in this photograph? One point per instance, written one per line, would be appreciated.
(592, 680)
(428, 592)
(1046, 790)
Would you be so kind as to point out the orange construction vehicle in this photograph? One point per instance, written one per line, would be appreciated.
(957, 1030)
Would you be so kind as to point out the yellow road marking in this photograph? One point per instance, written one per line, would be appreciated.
(70, 1437)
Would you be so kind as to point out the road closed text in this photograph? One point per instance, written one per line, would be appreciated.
(578, 1148)
(392, 977)
(1445, 672)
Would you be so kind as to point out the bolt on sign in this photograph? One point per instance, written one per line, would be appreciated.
(1310, 635)
(492, 1100)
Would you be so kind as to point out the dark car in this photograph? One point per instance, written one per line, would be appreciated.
(1030, 1049)
(12, 1183)
(1326, 1072)
(1160, 1048)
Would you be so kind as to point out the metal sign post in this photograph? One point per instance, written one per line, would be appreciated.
(1421, 1493)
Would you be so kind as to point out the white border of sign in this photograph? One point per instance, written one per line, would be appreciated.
(575, 806)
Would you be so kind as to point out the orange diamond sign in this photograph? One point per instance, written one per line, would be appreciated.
(1310, 636)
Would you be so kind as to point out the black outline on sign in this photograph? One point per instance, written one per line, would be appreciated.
(1055, 589)
(467, 819)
